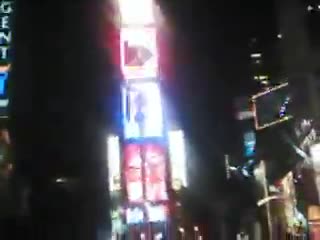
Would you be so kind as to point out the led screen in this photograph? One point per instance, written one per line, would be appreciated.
(272, 106)
(134, 216)
(139, 53)
(136, 12)
(177, 159)
(142, 110)
(249, 144)
(155, 170)
(114, 162)
(156, 213)
(152, 176)
(133, 172)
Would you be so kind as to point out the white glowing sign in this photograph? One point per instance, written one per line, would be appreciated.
(114, 162)
(156, 213)
(136, 12)
(5, 31)
(315, 156)
(177, 159)
(134, 216)
(142, 110)
(139, 58)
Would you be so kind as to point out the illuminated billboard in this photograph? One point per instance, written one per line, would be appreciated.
(249, 144)
(151, 157)
(142, 110)
(137, 12)
(156, 213)
(177, 159)
(6, 8)
(133, 172)
(134, 215)
(155, 171)
(138, 49)
(113, 145)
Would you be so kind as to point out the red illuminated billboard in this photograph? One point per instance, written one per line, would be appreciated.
(139, 58)
(153, 177)
(155, 168)
(133, 172)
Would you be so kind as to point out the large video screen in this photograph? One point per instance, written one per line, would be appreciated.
(139, 58)
(137, 12)
(142, 110)
(133, 172)
(155, 169)
(272, 106)
(153, 159)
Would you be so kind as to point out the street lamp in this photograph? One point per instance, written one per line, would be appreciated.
(181, 230)
(196, 231)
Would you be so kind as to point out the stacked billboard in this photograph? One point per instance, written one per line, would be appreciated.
(145, 158)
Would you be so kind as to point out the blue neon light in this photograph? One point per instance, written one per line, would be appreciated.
(3, 79)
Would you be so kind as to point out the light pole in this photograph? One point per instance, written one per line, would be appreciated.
(181, 230)
(196, 232)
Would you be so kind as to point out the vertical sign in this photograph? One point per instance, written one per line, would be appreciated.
(5, 42)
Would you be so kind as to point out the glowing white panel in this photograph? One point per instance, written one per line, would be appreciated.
(177, 159)
(114, 162)
(135, 12)
(4, 103)
(156, 213)
(134, 216)
(138, 48)
(315, 155)
(142, 110)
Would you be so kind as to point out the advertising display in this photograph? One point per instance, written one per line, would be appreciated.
(156, 213)
(139, 57)
(133, 172)
(138, 12)
(142, 111)
(177, 159)
(155, 169)
(249, 144)
(113, 145)
(153, 158)
(134, 215)
(6, 8)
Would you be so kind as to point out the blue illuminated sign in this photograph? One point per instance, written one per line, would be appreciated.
(3, 82)
(142, 110)
(249, 144)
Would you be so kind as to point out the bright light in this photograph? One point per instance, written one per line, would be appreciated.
(279, 36)
(61, 180)
(181, 230)
(136, 12)
(113, 146)
(315, 155)
(177, 159)
(196, 228)
(142, 110)
(156, 213)
(138, 48)
(142, 236)
(256, 55)
(134, 216)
